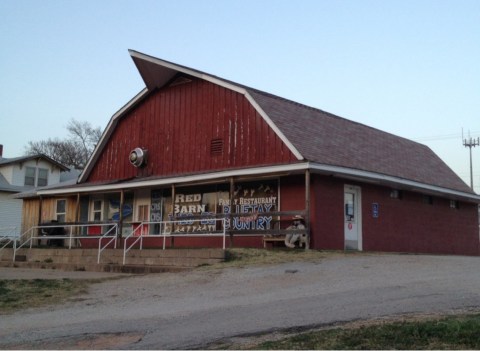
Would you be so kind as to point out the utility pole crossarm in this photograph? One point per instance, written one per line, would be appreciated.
(471, 143)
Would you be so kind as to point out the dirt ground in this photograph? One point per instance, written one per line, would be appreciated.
(237, 306)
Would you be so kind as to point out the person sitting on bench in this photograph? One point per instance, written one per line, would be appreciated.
(291, 239)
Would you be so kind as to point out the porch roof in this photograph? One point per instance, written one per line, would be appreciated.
(250, 174)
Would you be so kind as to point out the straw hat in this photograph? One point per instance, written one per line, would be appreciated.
(298, 217)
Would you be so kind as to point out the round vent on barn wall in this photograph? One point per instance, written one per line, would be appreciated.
(138, 157)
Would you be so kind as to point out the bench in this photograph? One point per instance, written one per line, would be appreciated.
(281, 238)
(272, 239)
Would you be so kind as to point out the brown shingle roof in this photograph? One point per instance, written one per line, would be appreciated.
(327, 139)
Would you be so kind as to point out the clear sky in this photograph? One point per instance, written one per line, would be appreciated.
(408, 67)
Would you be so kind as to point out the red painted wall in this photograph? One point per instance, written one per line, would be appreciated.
(176, 124)
(410, 225)
(327, 213)
(403, 225)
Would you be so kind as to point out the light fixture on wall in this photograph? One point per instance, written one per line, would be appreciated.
(138, 157)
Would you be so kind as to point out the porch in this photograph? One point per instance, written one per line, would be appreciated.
(144, 246)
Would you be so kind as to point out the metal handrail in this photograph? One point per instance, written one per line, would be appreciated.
(9, 237)
(113, 238)
(31, 237)
(166, 234)
(138, 238)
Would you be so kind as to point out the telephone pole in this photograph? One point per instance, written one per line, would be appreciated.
(471, 143)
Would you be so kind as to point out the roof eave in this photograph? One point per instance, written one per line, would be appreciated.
(392, 181)
(335, 171)
(108, 132)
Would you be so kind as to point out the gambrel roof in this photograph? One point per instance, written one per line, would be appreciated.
(320, 141)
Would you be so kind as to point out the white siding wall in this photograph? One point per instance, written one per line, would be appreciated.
(19, 173)
(10, 211)
(7, 172)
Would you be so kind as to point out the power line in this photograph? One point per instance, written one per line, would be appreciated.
(446, 136)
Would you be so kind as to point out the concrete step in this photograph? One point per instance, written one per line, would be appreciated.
(114, 268)
(111, 260)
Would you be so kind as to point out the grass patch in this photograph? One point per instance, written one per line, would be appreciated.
(449, 333)
(22, 293)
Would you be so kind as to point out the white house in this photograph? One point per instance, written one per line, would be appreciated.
(22, 174)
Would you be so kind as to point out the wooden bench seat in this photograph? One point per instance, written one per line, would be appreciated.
(272, 239)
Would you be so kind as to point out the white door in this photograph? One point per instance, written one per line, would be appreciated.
(352, 218)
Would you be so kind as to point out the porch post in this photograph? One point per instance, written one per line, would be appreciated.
(40, 209)
(307, 207)
(120, 217)
(77, 209)
(172, 238)
(230, 215)
(74, 230)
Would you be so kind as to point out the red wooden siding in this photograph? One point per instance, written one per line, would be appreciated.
(410, 225)
(403, 225)
(177, 124)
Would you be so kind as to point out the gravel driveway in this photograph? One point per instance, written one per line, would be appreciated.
(206, 306)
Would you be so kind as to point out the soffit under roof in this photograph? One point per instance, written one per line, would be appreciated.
(156, 72)
(153, 75)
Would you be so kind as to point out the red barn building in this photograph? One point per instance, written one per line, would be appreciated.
(192, 148)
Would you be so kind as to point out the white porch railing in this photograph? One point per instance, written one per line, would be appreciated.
(28, 238)
(165, 231)
(8, 235)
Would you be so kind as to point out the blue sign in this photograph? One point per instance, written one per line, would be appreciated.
(375, 210)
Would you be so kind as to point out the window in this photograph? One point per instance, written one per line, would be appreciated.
(427, 199)
(142, 214)
(42, 179)
(454, 204)
(97, 210)
(30, 176)
(396, 194)
(61, 210)
(36, 176)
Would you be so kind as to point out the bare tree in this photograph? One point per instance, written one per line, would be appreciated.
(73, 151)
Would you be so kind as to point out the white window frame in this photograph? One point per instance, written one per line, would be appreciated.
(64, 214)
(93, 211)
(143, 209)
(142, 198)
(36, 176)
(27, 168)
